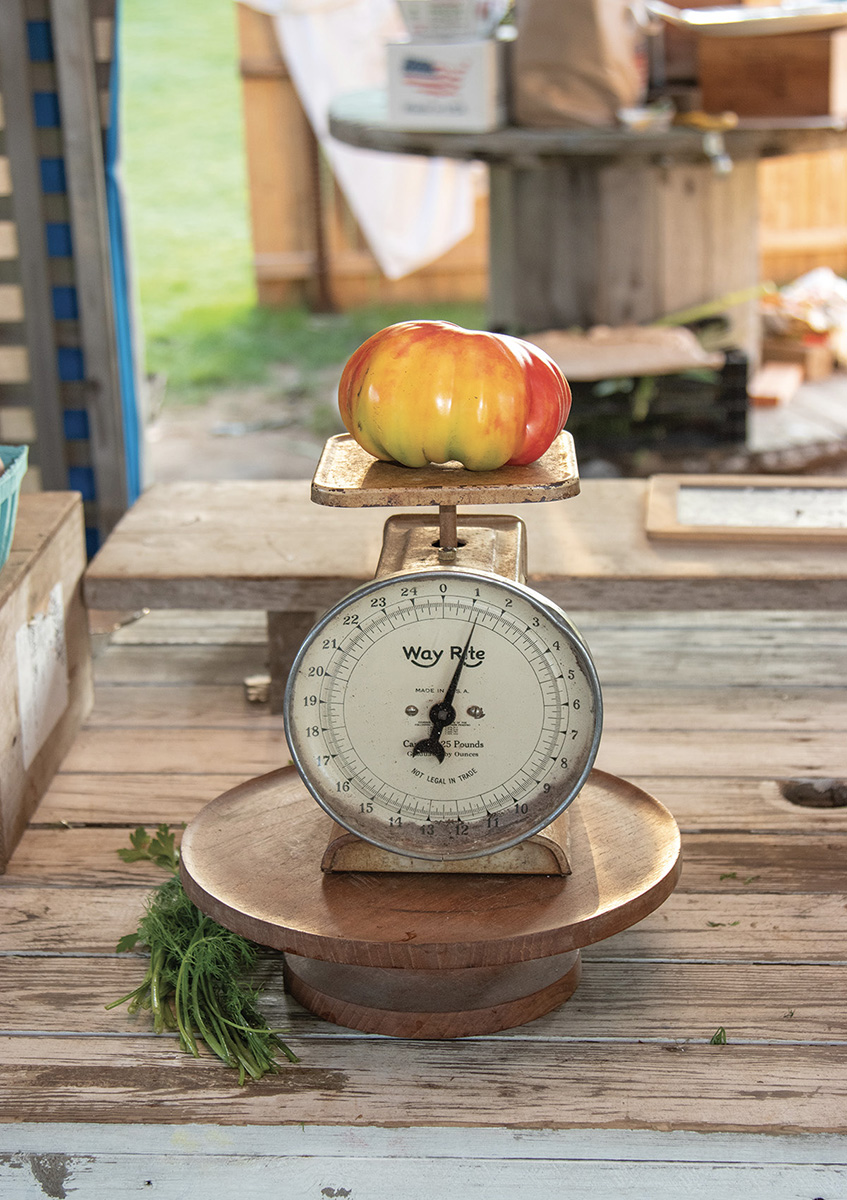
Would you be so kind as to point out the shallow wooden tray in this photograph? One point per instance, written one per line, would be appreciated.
(429, 956)
(663, 519)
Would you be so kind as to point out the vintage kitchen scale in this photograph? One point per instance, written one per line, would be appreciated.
(442, 848)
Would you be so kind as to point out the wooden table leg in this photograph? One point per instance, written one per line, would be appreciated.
(286, 632)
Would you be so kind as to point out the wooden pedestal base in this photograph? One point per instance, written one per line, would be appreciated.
(465, 1002)
(420, 955)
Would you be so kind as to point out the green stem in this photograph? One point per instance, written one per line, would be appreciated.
(135, 994)
(156, 999)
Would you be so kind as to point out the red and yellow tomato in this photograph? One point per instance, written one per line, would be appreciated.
(431, 392)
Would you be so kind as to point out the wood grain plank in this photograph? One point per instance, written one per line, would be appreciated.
(205, 705)
(731, 752)
(249, 752)
(193, 627)
(129, 799)
(146, 798)
(361, 1171)
(671, 659)
(752, 805)
(57, 920)
(621, 1146)
(714, 1088)
(727, 926)
(244, 752)
(760, 657)
(181, 540)
(743, 707)
(625, 706)
(774, 863)
(770, 863)
(731, 926)
(180, 665)
(227, 625)
(614, 1001)
(267, 1162)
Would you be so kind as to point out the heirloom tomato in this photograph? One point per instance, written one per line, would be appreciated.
(431, 392)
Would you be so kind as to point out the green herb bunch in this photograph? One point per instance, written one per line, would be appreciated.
(195, 981)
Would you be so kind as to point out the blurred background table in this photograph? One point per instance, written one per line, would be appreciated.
(610, 226)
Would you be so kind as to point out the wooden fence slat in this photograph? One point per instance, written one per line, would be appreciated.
(803, 205)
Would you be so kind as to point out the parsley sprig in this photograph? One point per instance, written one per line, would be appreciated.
(195, 980)
(159, 849)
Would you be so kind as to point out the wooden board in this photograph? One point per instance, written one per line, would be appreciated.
(754, 1000)
(359, 119)
(200, 545)
(715, 862)
(425, 1161)
(786, 509)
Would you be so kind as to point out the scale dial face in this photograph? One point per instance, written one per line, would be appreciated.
(443, 714)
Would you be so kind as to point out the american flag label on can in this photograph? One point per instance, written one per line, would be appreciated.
(431, 78)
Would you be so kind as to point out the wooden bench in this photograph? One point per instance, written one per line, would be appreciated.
(265, 545)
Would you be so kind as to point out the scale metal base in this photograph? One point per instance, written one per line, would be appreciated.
(425, 956)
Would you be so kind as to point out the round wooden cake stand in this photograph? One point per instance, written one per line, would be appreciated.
(425, 956)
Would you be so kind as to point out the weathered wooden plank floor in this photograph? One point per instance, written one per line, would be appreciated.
(712, 713)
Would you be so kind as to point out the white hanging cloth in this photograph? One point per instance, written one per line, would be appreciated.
(410, 209)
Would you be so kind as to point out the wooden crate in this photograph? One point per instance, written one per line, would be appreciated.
(45, 687)
(814, 355)
(307, 246)
(792, 75)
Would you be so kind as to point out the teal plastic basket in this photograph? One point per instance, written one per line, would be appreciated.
(14, 461)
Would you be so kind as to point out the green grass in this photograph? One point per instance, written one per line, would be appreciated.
(214, 347)
(183, 158)
(185, 177)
